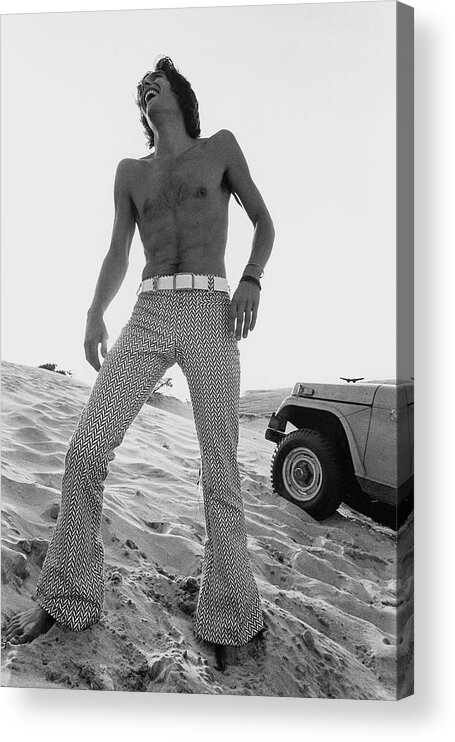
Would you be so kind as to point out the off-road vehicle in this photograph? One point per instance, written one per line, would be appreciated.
(349, 441)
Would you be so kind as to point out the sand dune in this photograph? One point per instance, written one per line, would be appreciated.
(328, 589)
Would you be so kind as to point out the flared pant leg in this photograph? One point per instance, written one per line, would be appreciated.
(229, 608)
(71, 583)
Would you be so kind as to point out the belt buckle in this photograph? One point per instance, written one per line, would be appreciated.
(174, 281)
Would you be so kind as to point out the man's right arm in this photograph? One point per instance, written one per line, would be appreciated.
(114, 267)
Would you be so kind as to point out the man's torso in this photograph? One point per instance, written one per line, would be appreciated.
(181, 209)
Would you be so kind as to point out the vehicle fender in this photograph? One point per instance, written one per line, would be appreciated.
(289, 404)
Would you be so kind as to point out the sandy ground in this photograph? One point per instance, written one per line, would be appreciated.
(329, 590)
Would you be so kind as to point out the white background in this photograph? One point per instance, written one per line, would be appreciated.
(309, 91)
(44, 715)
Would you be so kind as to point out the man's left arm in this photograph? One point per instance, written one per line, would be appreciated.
(245, 301)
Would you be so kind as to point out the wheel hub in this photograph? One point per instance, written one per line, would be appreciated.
(302, 474)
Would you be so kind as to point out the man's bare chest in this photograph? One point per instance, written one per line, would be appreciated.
(194, 182)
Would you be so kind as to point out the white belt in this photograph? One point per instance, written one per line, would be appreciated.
(184, 281)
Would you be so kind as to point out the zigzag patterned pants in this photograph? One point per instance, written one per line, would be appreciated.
(190, 327)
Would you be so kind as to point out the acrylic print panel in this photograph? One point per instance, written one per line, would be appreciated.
(303, 523)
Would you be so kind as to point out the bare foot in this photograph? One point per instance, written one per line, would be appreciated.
(220, 656)
(27, 625)
(220, 650)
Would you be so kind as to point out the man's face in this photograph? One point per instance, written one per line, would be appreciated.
(156, 94)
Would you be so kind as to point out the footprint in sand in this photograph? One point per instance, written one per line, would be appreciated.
(158, 526)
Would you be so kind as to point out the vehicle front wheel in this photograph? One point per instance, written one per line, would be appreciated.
(306, 471)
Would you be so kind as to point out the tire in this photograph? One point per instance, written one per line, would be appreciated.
(305, 470)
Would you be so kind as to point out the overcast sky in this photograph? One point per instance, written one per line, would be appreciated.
(309, 92)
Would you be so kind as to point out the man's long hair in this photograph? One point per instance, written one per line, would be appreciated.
(184, 93)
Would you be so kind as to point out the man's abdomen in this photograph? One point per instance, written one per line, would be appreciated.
(193, 243)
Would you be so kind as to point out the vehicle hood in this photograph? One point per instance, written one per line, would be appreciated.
(362, 392)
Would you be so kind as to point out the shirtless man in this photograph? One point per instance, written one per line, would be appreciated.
(178, 196)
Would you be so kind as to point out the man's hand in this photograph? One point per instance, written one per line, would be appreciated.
(95, 335)
(244, 308)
